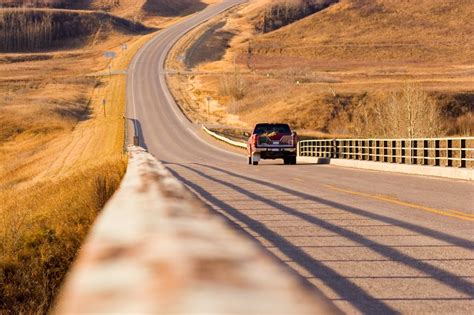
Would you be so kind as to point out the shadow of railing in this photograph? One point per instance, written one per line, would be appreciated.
(349, 291)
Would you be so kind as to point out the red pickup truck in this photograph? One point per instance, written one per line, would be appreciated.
(272, 141)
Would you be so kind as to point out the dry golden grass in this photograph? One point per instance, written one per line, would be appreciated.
(42, 227)
(314, 72)
(61, 158)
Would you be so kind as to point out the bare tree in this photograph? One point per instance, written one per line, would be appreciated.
(409, 113)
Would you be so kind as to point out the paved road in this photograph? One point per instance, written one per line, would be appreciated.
(371, 242)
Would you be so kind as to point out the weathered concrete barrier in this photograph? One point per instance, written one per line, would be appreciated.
(156, 249)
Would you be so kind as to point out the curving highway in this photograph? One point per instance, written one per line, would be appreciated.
(371, 242)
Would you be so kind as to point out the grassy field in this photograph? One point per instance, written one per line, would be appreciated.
(318, 72)
(61, 150)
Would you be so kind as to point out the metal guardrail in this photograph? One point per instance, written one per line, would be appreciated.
(448, 152)
(238, 144)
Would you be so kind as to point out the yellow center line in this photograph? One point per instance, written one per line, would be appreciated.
(447, 213)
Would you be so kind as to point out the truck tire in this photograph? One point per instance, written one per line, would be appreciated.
(293, 160)
(254, 163)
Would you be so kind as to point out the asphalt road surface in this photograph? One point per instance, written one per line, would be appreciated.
(371, 242)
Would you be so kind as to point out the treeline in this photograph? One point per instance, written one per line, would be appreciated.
(62, 4)
(32, 3)
(24, 29)
(284, 12)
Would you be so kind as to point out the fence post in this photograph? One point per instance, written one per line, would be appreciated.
(449, 152)
(385, 151)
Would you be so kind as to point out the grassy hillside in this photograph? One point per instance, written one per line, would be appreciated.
(61, 149)
(136, 10)
(425, 31)
(320, 72)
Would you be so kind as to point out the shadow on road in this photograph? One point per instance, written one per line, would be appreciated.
(346, 289)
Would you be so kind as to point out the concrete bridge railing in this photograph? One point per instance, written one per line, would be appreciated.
(156, 249)
(448, 152)
(441, 157)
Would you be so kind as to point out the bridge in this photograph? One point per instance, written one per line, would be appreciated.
(273, 239)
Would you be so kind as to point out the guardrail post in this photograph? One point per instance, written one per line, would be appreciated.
(415, 152)
(333, 144)
(410, 149)
(363, 149)
(377, 150)
(403, 151)
(437, 154)
(348, 149)
(354, 149)
(394, 151)
(449, 153)
(357, 149)
(426, 152)
(462, 153)
(370, 150)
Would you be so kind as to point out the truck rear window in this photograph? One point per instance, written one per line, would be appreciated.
(282, 129)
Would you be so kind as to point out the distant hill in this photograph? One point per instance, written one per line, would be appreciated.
(126, 8)
(421, 31)
(318, 63)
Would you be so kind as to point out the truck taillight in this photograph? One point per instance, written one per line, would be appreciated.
(295, 140)
(255, 140)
